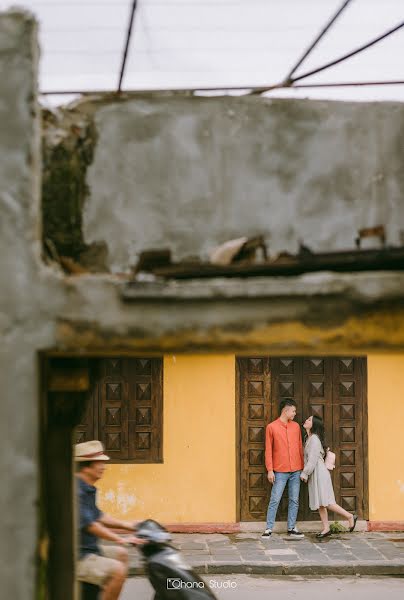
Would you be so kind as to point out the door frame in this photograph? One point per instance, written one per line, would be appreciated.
(365, 440)
(365, 433)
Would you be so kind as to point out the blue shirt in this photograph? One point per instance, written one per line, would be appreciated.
(88, 514)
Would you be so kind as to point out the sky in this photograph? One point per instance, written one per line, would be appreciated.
(209, 43)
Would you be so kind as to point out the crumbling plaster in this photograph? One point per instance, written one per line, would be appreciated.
(28, 301)
(322, 312)
(189, 173)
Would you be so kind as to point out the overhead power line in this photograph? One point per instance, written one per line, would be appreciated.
(317, 39)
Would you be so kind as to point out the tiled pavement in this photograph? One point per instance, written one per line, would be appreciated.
(344, 554)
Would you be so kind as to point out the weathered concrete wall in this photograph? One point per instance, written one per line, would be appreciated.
(26, 323)
(316, 313)
(189, 173)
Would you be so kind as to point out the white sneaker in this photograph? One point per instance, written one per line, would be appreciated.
(295, 534)
(267, 533)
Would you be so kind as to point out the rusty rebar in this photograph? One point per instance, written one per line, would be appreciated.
(127, 42)
(224, 88)
(317, 39)
(348, 55)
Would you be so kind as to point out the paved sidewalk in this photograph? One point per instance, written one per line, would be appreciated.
(343, 554)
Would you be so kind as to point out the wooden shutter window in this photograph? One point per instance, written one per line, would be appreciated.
(126, 409)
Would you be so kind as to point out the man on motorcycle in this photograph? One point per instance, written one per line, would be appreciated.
(102, 565)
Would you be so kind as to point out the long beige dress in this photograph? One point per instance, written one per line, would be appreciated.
(321, 492)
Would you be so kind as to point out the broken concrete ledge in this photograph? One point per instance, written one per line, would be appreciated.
(364, 287)
(326, 313)
(379, 568)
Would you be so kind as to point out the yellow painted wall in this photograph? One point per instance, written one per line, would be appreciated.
(386, 437)
(196, 482)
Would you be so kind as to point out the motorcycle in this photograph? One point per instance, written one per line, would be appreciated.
(171, 577)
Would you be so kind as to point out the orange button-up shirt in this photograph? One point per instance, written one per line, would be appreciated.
(283, 447)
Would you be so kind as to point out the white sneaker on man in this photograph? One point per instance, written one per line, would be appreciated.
(295, 534)
(267, 533)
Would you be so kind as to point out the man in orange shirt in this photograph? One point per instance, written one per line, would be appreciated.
(284, 463)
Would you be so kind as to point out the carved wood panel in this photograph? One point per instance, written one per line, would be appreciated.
(348, 438)
(255, 414)
(113, 405)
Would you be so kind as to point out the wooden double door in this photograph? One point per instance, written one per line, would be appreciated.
(334, 388)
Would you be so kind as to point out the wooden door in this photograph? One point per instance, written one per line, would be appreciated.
(332, 388)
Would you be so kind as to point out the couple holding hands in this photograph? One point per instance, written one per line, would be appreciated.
(287, 465)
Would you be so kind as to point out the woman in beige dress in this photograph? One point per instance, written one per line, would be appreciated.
(321, 492)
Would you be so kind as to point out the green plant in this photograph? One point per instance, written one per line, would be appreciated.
(337, 528)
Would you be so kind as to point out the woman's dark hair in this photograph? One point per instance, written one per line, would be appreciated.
(318, 428)
(286, 402)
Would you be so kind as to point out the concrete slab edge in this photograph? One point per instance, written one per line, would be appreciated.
(341, 569)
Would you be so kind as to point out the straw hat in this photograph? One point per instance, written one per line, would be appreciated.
(89, 451)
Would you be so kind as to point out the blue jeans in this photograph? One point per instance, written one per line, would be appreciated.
(293, 481)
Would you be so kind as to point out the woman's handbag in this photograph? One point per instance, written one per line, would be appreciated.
(329, 460)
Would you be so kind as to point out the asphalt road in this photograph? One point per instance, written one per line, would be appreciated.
(255, 587)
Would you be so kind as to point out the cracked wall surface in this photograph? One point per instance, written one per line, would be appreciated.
(22, 324)
(31, 295)
(188, 173)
